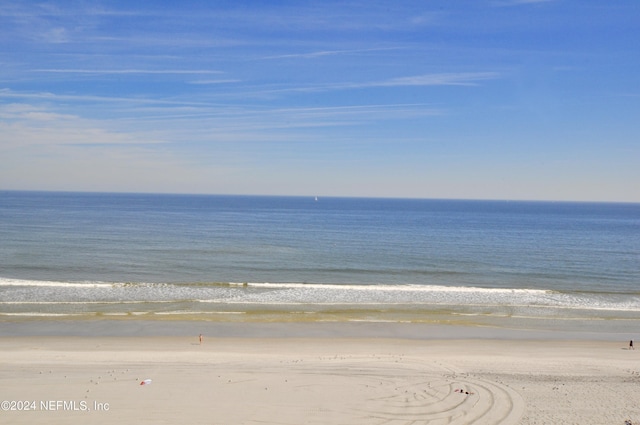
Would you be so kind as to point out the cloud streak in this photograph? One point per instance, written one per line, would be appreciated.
(424, 80)
(323, 53)
(506, 3)
(129, 71)
(445, 79)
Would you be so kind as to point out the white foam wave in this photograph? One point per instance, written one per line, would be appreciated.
(393, 288)
(196, 313)
(36, 314)
(22, 282)
(37, 293)
(282, 285)
(85, 302)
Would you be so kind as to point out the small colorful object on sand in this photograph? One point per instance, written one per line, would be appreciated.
(145, 382)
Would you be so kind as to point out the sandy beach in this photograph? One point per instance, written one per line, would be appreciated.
(316, 380)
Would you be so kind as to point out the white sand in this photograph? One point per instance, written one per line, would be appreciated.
(317, 381)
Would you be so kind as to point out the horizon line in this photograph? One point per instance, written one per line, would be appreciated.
(319, 197)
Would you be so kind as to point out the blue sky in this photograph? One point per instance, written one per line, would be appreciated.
(482, 99)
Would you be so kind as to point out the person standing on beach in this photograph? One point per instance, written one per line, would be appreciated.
(200, 338)
(631, 345)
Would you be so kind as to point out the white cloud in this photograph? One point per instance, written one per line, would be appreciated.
(93, 99)
(520, 2)
(128, 71)
(439, 79)
(221, 81)
(445, 79)
(322, 53)
(27, 125)
(57, 35)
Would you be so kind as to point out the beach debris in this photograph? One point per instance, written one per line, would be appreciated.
(146, 382)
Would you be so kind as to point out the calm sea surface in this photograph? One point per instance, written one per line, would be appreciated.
(66, 254)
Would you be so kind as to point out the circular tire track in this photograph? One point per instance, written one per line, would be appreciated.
(433, 399)
(409, 392)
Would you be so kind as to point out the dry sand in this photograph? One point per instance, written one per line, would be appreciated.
(291, 381)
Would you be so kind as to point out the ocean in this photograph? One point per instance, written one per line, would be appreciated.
(268, 258)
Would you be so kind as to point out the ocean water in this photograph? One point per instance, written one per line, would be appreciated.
(302, 259)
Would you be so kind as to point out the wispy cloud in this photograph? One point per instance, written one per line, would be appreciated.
(205, 82)
(254, 123)
(58, 35)
(128, 71)
(322, 53)
(424, 80)
(94, 99)
(24, 124)
(446, 79)
(504, 3)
